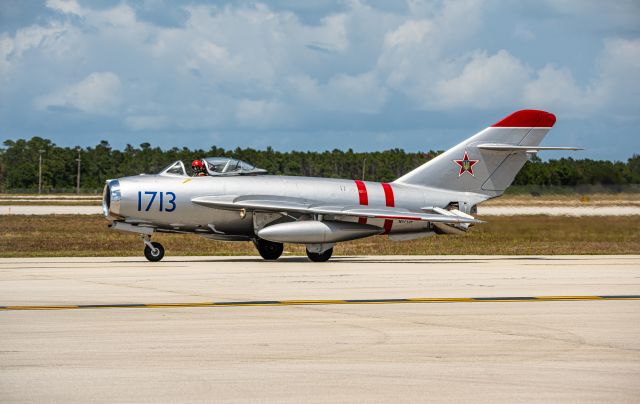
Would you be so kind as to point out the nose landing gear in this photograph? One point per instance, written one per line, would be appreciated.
(153, 251)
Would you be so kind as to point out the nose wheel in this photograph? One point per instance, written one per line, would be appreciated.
(153, 251)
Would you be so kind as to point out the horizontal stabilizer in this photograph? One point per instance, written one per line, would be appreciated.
(451, 228)
(528, 149)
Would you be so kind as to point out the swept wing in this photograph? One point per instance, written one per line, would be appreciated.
(273, 203)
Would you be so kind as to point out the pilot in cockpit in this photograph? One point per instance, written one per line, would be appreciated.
(197, 166)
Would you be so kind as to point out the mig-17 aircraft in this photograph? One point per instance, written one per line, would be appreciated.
(232, 200)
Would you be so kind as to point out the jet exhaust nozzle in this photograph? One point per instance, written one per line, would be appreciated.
(317, 232)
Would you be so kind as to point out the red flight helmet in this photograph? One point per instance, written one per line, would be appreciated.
(197, 166)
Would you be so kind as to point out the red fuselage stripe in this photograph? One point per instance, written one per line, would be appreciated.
(362, 192)
(388, 195)
(390, 201)
(364, 198)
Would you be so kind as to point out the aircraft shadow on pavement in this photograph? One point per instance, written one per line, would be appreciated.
(336, 260)
(362, 260)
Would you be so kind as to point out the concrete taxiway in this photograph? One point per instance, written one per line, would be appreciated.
(123, 329)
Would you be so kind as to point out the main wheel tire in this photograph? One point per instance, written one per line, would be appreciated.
(320, 257)
(269, 250)
(154, 254)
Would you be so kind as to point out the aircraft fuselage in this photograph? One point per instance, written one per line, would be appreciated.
(165, 201)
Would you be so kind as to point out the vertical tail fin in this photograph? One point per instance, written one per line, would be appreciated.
(487, 162)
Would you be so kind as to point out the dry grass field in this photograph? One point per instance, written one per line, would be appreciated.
(50, 199)
(35, 236)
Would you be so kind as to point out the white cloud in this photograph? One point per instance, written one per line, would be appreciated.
(361, 93)
(342, 93)
(121, 16)
(332, 33)
(6, 47)
(254, 66)
(618, 84)
(485, 82)
(98, 93)
(615, 89)
(556, 89)
(622, 14)
(48, 39)
(236, 64)
(259, 114)
(145, 122)
(411, 32)
(523, 33)
(418, 54)
(65, 6)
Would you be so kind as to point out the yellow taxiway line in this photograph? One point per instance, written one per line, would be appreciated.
(322, 302)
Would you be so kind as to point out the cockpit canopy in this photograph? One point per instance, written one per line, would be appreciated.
(215, 167)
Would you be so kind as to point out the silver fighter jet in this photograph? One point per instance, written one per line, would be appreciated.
(236, 201)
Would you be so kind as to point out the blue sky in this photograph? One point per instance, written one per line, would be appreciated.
(317, 75)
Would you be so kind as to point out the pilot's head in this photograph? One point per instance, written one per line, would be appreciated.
(197, 167)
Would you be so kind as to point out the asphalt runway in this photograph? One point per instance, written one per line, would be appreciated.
(380, 329)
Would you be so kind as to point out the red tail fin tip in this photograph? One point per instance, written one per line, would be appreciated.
(528, 118)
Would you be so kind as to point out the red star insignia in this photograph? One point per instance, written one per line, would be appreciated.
(466, 165)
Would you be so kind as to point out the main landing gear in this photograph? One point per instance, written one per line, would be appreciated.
(153, 251)
(320, 257)
(319, 252)
(269, 250)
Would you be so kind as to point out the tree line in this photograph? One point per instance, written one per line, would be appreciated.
(19, 165)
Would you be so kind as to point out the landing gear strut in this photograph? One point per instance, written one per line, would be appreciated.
(269, 250)
(152, 251)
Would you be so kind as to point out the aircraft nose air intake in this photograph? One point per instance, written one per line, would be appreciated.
(111, 198)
